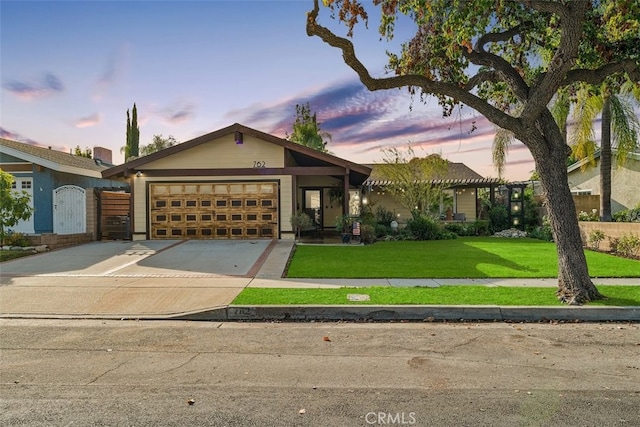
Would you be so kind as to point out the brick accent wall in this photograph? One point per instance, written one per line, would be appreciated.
(57, 241)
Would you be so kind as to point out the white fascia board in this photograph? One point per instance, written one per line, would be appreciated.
(51, 165)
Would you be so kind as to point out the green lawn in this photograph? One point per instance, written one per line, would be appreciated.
(446, 295)
(465, 257)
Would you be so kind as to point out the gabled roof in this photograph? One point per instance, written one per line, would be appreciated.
(458, 175)
(53, 159)
(634, 155)
(304, 156)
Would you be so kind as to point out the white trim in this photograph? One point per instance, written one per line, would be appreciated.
(29, 158)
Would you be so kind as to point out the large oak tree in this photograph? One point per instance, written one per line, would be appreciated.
(507, 59)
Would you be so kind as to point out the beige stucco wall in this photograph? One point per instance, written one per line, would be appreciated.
(465, 202)
(224, 153)
(140, 203)
(624, 183)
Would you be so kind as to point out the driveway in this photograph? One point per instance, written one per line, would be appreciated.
(149, 258)
(142, 279)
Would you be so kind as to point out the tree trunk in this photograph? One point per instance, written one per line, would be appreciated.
(574, 284)
(605, 162)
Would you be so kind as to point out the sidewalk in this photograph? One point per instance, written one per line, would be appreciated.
(138, 289)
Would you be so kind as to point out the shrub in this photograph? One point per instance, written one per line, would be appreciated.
(628, 245)
(299, 221)
(627, 215)
(16, 239)
(498, 218)
(456, 227)
(423, 227)
(592, 216)
(384, 216)
(542, 232)
(481, 228)
(367, 234)
(595, 237)
(531, 206)
(613, 244)
(381, 230)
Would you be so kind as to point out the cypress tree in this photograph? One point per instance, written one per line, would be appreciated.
(127, 146)
(135, 133)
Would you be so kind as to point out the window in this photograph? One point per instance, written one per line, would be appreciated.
(26, 185)
(221, 203)
(221, 217)
(206, 217)
(236, 217)
(205, 203)
(176, 203)
(192, 203)
(236, 203)
(192, 217)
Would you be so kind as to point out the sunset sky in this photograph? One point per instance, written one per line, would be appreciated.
(71, 69)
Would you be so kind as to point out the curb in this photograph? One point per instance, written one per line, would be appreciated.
(303, 313)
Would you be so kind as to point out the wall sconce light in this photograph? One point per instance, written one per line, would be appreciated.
(364, 201)
(239, 137)
(138, 174)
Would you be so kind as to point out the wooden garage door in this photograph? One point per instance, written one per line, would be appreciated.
(234, 210)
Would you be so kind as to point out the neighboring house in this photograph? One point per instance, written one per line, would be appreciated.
(624, 181)
(57, 183)
(236, 183)
(462, 186)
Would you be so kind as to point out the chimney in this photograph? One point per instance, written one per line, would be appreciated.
(102, 154)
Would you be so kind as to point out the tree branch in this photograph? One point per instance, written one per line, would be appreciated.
(502, 69)
(571, 18)
(597, 76)
(452, 90)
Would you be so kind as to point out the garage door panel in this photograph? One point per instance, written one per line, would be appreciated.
(245, 210)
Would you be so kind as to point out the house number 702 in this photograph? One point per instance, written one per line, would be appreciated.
(259, 164)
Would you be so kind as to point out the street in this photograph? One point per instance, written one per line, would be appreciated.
(165, 373)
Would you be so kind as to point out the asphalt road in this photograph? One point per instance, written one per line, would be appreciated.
(166, 373)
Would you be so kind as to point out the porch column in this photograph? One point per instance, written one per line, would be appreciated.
(345, 199)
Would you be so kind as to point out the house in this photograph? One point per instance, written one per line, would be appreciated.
(57, 183)
(584, 181)
(462, 185)
(236, 183)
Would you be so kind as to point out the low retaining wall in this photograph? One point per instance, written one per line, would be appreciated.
(611, 230)
(57, 241)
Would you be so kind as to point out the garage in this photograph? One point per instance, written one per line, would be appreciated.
(233, 183)
(214, 210)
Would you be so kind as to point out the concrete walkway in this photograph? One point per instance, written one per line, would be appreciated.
(198, 280)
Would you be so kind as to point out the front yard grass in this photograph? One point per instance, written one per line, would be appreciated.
(465, 257)
(445, 295)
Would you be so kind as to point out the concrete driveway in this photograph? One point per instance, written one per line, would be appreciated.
(148, 258)
(136, 279)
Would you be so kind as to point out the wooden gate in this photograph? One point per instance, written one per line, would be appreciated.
(115, 217)
(69, 210)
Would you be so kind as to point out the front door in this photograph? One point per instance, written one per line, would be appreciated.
(313, 206)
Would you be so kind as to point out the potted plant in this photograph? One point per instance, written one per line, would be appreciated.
(343, 225)
(299, 221)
